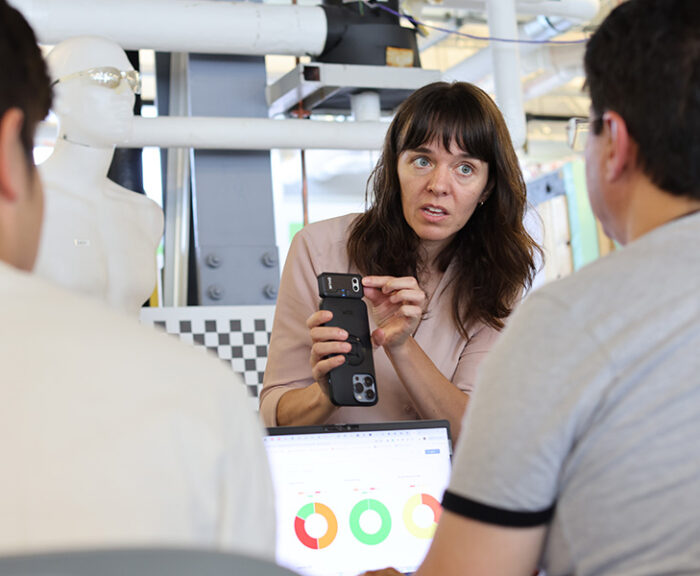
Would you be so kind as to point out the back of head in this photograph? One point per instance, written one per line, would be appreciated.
(25, 83)
(643, 62)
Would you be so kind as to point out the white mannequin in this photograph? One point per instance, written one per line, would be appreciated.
(98, 238)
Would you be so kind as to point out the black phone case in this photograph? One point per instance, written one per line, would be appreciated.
(353, 383)
(337, 285)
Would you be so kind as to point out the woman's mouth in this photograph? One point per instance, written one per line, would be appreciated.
(434, 211)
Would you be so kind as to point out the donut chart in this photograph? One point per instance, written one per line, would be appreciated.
(423, 532)
(358, 510)
(300, 525)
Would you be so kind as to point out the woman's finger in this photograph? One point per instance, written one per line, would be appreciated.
(320, 369)
(410, 311)
(318, 318)
(416, 297)
(322, 349)
(390, 283)
(328, 333)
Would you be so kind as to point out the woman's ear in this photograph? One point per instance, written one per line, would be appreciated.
(486, 192)
(13, 162)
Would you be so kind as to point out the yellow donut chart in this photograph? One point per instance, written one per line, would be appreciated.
(413, 502)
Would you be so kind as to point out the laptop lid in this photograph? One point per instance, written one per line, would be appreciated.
(357, 497)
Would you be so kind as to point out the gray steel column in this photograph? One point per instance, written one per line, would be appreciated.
(235, 244)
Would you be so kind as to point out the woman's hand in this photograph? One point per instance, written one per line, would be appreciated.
(383, 572)
(397, 308)
(329, 344)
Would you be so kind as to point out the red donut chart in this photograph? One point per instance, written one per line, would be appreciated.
(300, 525)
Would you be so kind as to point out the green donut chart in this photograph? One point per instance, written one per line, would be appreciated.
(423, 532)
(358, 510)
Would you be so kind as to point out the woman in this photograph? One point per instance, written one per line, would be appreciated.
(445, 258)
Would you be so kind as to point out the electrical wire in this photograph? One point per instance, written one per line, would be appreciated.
(419, 24)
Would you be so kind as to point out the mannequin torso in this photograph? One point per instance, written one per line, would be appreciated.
(99, 238)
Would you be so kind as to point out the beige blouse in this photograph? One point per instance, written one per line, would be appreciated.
(321, 247)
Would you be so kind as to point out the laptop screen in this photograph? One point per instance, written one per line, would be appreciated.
(357, 497)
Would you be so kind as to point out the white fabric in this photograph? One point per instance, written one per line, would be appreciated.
(591, 401)
(112, 434)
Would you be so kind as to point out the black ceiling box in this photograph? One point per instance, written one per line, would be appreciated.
(361, 34)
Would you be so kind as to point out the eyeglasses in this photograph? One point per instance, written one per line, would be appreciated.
(577, 133)
(107, 76)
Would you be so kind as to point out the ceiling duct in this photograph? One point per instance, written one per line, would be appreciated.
(358, 34)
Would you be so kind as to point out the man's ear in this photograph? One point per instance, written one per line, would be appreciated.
(619, 145)
(12, 156)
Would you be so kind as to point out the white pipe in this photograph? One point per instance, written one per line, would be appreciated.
(557, 65)
(577, 10)
(472, 69)
(480, 64)
(545, 83)
(548, 58)
(253, 134)
(365, 106)
(207, 26)
(506, 67)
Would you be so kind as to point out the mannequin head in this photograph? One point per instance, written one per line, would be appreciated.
(91, 111)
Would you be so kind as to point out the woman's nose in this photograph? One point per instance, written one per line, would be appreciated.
(439, 180)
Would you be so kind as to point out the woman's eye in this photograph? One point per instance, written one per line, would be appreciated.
(465, 169)
(421, 162)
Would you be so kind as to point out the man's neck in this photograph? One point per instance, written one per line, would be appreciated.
(652, 207)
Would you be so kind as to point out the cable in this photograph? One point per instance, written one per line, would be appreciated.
(419, 24)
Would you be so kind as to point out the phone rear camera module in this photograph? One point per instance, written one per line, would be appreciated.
(355, 285)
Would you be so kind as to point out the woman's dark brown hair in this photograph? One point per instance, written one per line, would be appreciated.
(493, 254)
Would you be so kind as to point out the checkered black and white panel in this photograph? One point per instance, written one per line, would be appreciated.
(239, 335)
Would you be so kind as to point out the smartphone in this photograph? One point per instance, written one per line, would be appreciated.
(353, 383)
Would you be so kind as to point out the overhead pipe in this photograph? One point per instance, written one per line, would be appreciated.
(209, 133)
(557, 64)
(506, 68)
(576, 10)
(547, 82)
(205, 26)
(480, 64)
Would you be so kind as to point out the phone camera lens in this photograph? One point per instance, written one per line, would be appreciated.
(359, 388)
(368, 381)
(369, 394)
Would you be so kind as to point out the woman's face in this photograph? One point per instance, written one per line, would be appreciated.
(440, 189)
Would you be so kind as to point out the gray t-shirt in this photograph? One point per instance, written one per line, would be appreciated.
(587, 415)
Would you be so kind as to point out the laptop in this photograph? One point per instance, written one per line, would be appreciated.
(357, 497)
